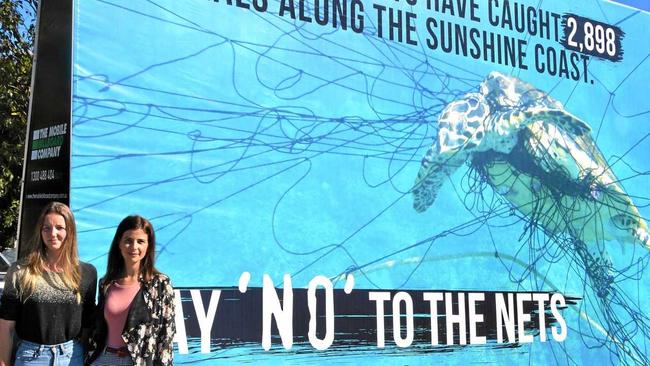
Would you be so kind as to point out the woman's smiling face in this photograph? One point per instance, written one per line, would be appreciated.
(133, 246)
(53, 232)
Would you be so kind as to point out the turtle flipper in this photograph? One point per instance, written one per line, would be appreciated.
(566, 121)
(643, 236)
(436, 167)
(461, 129)
(625, 223)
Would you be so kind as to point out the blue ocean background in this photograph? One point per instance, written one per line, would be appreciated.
(263, 144)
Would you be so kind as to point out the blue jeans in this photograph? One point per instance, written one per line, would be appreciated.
(70, 353)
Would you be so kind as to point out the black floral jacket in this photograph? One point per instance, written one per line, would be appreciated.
(149, 327)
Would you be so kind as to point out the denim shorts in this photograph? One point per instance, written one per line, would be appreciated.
(70, 353)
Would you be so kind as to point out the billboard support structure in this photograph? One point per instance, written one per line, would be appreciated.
(46, 169)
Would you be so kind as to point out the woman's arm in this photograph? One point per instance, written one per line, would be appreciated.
(6, 341)
(167, 325)
(97, 336)
(10, 308)
(89, 307)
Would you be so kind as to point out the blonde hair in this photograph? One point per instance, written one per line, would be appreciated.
(33, 266)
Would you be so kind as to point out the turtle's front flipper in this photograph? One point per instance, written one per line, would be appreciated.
(460, 132)
(519, 118)
(436, 167)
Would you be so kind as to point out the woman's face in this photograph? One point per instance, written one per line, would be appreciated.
(53, 232)
(133, 246)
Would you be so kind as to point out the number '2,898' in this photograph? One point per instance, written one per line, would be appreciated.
(592, 37)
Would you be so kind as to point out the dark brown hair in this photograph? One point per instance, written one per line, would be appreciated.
(115, 268)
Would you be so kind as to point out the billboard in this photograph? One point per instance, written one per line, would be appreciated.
(383, 182)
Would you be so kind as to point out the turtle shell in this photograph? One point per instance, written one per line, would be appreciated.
(563, 183)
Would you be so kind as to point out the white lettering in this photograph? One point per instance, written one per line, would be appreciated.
(455, 318)
(433, 298)
(380, 297)
(283, 317)
(205, 319)
(324, 343)
(523, 318)
(560, 335)
(181, 335)
(475, 318)
(503, 316)
(540, 298)
(397, 324)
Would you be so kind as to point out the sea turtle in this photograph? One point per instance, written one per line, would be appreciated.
(537, 155)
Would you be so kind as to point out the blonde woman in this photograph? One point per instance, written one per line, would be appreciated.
(49, 296)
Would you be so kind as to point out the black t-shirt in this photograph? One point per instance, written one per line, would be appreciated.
(51, 315)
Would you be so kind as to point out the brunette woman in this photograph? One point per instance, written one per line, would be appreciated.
(49, 297)
(136, 302)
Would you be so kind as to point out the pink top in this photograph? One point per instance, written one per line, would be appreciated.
(116, 309)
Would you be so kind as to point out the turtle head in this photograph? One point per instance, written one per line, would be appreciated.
(499, 89)
(507, 91)
(628, 228)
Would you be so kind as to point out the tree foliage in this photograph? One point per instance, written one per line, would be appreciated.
(17, 18)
